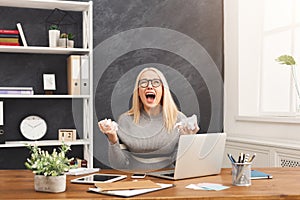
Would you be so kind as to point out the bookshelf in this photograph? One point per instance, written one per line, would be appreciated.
(45, 96)
(43, 143)
(43, 50)
(86, 9)
(48, 4)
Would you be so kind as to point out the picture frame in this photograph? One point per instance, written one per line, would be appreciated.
(49, 82)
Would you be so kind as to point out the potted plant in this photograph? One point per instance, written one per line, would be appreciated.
(71, 37)
(49, 169)
(290, 61)
(63, 40)
(54, 33)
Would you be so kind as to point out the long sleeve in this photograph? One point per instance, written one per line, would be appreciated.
(149, 145)
(118, 158)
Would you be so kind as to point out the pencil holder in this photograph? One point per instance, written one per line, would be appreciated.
(241, 174)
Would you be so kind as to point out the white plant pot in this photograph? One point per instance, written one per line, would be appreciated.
(53, 37)
(52, 184)
(63, 42)
(70, 43)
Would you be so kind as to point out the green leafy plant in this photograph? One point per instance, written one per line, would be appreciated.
(286, 60)
(53, 27)
(290, 61)
(43, 163)
(71, 36)
(64, 35)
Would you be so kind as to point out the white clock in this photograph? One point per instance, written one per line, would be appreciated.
(33, 127)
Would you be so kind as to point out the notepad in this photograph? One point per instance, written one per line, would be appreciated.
(127, 185)
(132, 192)
(260, 175)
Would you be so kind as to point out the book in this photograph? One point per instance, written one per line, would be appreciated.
(84, 74)
(73, 65)
(19, 26)
(16, 88)
(260, 175)
(12, 40)
(9, 35)
(1, 114)
(2, 133)
(9, 44)
(29, 92)
(4, 31)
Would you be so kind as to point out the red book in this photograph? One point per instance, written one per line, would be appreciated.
(9, 44)
(3, 31)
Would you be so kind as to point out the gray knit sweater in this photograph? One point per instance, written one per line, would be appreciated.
(149, 145)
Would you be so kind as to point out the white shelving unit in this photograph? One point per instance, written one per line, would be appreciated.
(45, 96)
(42, 50)
(43, 143)
(48, 4)
(87, 25)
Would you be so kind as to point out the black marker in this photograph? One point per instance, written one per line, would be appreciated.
(231, 158)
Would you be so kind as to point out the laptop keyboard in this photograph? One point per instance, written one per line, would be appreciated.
(169, 174)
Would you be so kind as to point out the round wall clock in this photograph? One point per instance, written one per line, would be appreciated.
(33, 127)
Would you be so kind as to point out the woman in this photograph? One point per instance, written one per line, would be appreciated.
(148, 128)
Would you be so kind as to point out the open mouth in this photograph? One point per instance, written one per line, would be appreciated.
(150, 97)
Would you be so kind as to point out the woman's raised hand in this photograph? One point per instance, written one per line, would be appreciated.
(184, 129)
(109, 128)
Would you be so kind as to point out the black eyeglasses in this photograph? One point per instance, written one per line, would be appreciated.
(143, 83)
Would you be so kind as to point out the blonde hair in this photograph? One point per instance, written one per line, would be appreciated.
(169, 108)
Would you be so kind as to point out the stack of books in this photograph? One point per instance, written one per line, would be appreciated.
(16, 90)
(9, 37)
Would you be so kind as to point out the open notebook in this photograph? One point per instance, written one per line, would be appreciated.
(197, 155)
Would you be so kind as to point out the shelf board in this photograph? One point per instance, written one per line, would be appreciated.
(42, 50)
(45, 96)
(47, 4)
(42, 143)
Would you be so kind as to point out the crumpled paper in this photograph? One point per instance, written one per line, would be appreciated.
(109, 122)
(189, 122)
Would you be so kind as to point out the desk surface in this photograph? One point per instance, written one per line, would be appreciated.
(18, 184)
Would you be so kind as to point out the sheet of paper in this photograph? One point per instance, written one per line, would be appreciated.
(207, 186)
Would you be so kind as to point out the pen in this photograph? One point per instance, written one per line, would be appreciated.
(240, 158)
(252, 157)
(246, 157)
(231, 158)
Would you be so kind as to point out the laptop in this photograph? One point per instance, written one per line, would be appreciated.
(197, 155)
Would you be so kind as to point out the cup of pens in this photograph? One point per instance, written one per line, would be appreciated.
(241, 174)
(241, 170)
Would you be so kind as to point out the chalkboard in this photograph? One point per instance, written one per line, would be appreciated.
(128, 36)
(184, 39)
